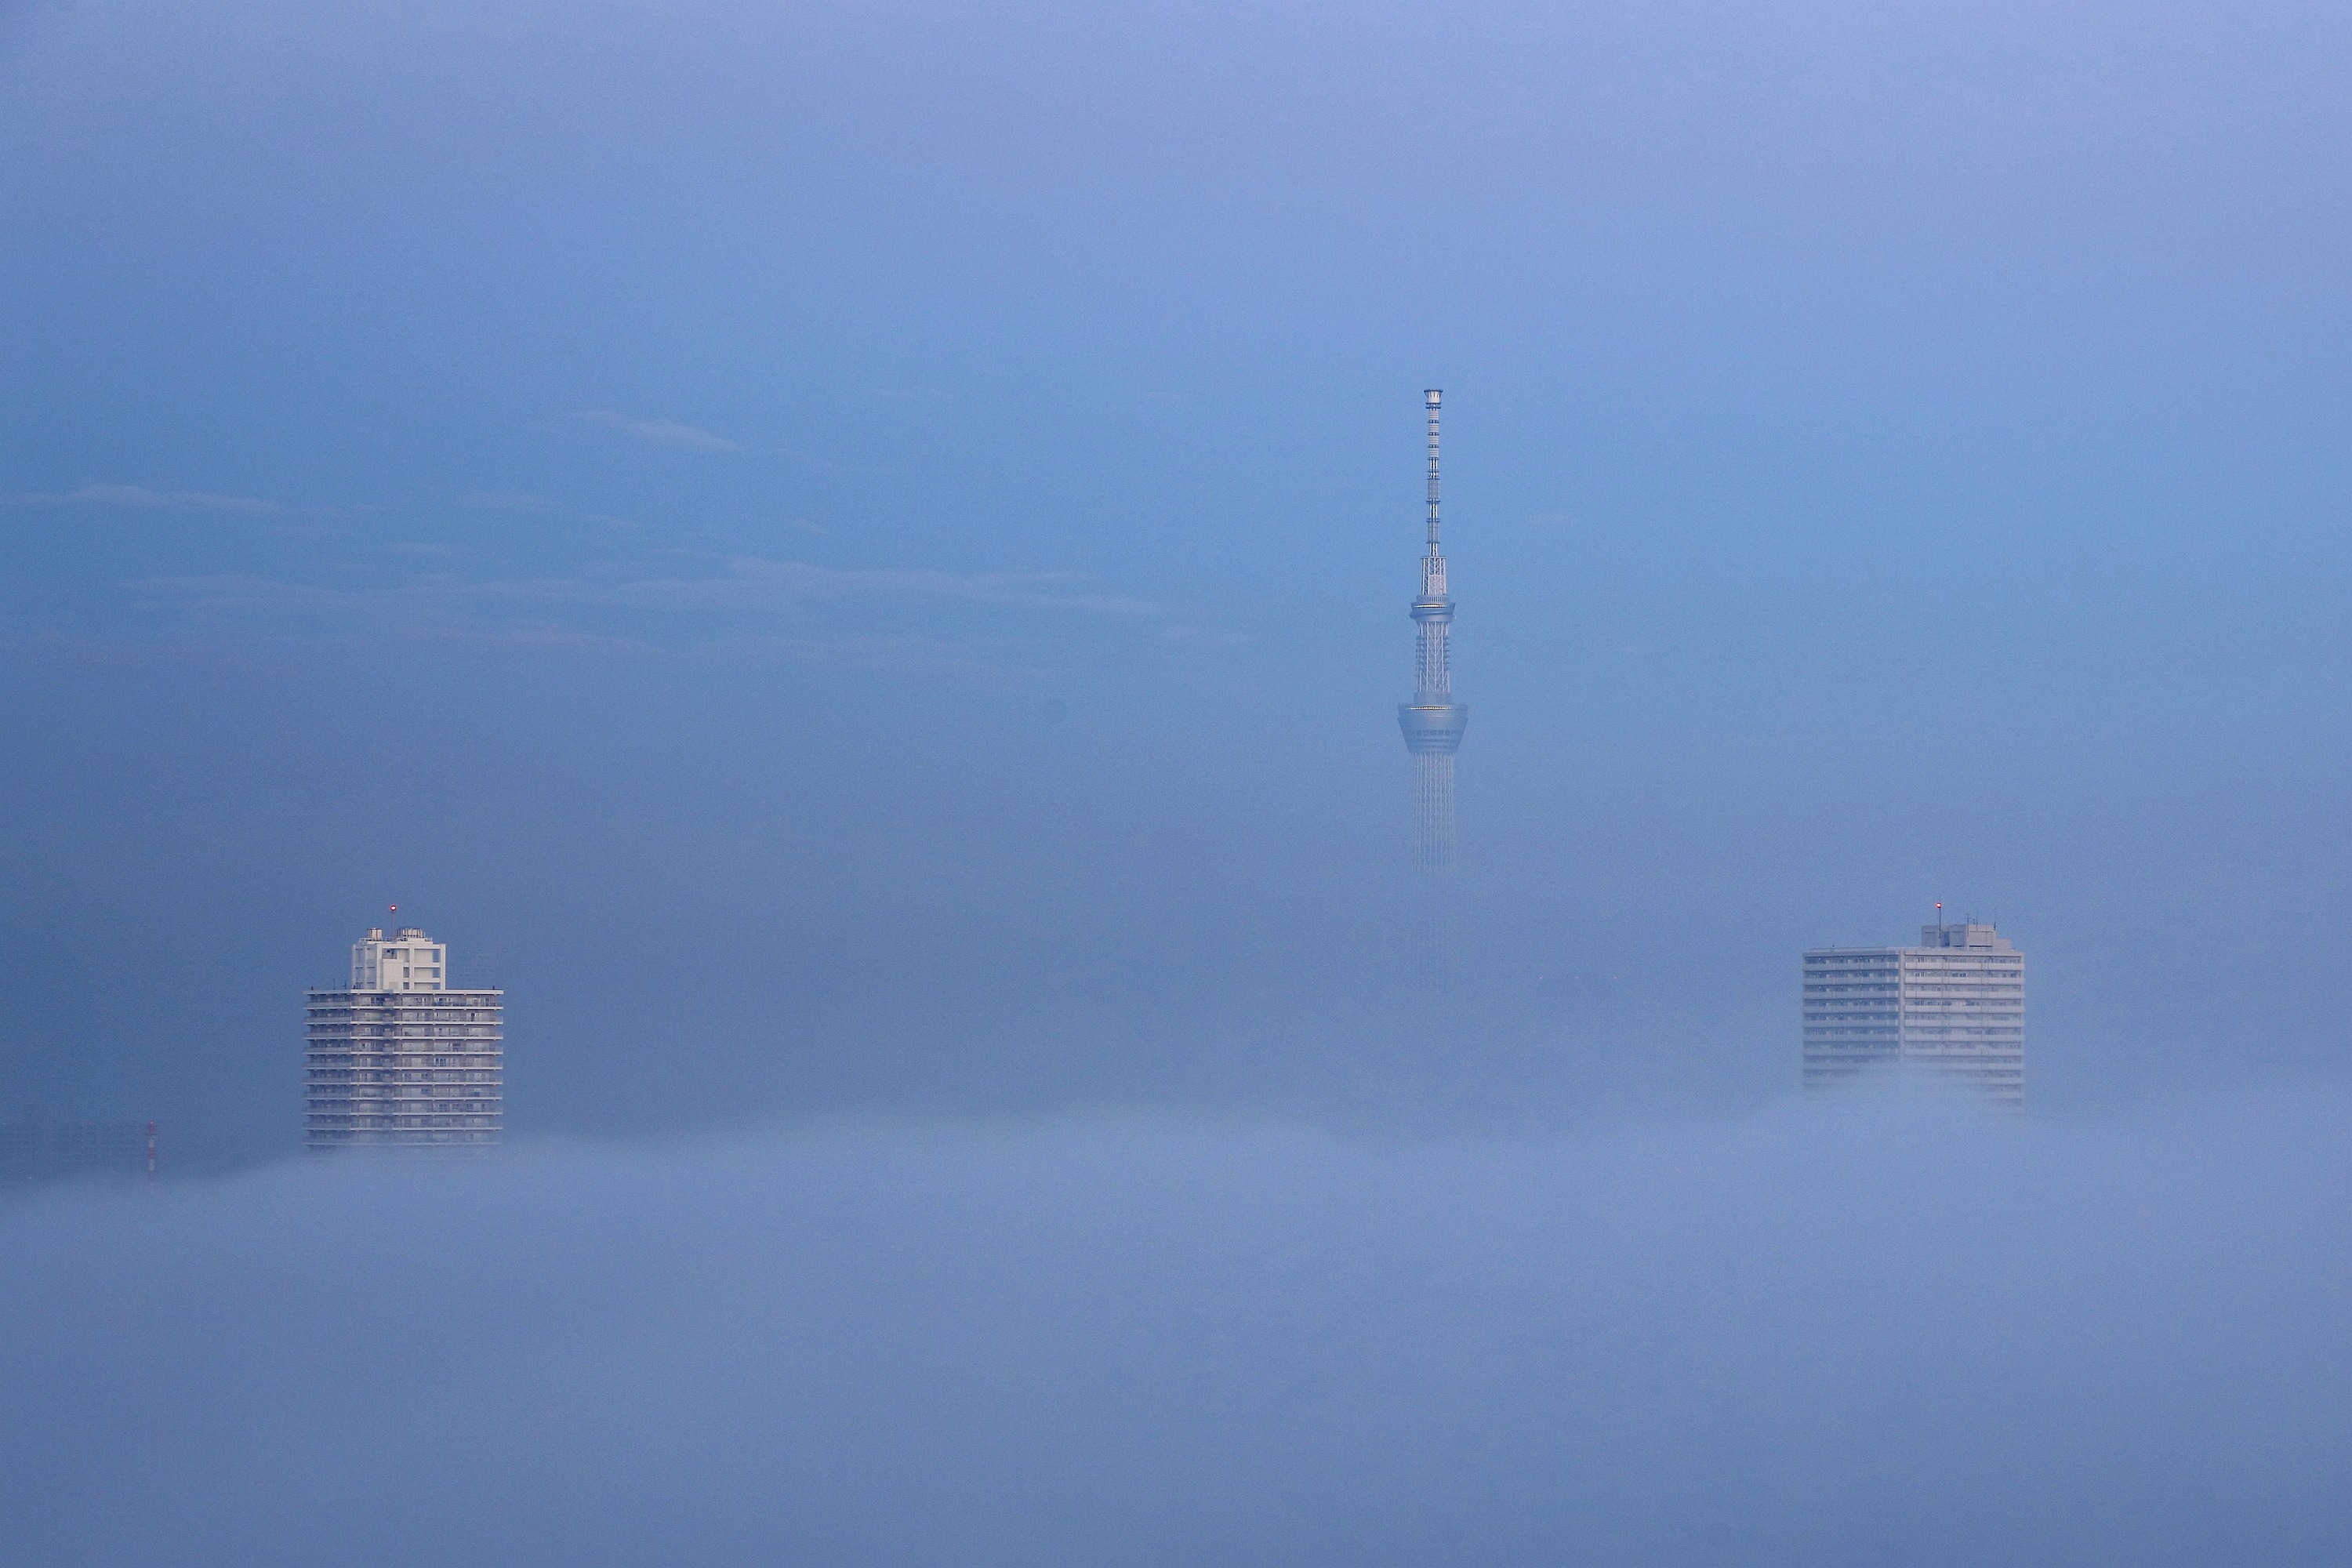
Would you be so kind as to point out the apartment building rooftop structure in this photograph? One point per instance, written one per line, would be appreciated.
(1954, 1005)
(399, 1058)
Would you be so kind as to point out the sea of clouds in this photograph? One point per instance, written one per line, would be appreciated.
(1890, 1329)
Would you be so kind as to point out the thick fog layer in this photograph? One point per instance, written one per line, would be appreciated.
(1870, 1333)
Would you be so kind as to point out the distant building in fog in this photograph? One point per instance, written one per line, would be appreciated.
(398, 1058)
(1955, 1002)
(46, 1148)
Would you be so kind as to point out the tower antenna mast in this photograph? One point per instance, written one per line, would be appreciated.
(1429, 402)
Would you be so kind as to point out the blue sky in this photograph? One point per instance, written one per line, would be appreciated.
(891, 524)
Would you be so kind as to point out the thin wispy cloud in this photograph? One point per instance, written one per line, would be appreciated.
(750, 606)
(659, 432)
(749, 581)
(523, 501)
(139, 497)
(506, 501)
(577, 617)
(1206, 636)
(745, 583)
(831, 465)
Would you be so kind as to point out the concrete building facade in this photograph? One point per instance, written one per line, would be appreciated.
(398, 1058)
(1954, 1004)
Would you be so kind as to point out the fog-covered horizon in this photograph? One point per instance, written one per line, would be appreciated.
(1866, 1328)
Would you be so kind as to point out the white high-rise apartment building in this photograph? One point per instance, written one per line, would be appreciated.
(396, 1057)
(1955, 1002)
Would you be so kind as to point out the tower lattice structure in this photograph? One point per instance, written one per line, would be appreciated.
(1433, 721)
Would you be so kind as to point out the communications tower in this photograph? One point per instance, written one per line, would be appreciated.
(1433, 721)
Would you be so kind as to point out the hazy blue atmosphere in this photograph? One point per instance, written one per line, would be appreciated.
(635, 488)
(862, 550)
(854, 558)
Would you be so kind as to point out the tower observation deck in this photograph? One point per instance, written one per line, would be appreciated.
(1433, 721)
